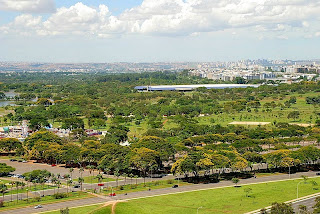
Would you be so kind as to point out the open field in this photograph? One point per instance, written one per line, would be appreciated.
(221, 200)
(93, 179)
(133, 187)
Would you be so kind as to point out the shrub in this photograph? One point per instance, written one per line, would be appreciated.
(64, 211)
(37, 199)
(60, 195)
(170, 181)
(156, 183)
(1, 203)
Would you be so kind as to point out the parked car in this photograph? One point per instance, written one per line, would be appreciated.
(38, 206)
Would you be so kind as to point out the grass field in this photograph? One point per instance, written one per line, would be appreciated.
(133, 187)
(221, 200)
(93, 179)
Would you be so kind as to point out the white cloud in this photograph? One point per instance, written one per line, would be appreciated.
(177, 17)
(29, 6)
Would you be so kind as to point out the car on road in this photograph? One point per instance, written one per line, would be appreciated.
(76, 186)
(318, 173)
(175, 186)
(24, 161)
(13, 159)
(38, 206)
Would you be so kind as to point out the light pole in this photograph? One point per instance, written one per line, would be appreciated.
(298, 189)
(198, 209)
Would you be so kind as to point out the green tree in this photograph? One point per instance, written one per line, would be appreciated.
(281, 208)
(3, 189)
(144, 159)
(235, 181)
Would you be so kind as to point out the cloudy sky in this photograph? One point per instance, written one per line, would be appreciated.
(158, 30)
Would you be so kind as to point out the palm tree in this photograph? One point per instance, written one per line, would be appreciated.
(131, 176)
(107, 171)
(58, 184)
(117, 174)
(22, 184)
(12, 183)
(3, 189)
(69, 183)
(27, 179)
(17, 183)
(136, 177)
(42, 182)
(99, 177)
(80, 180)
(54, 181)
(71, 171)
(125, 175)
(91, 168)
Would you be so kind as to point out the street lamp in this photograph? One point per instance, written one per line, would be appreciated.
(198, 209)
(298, 189)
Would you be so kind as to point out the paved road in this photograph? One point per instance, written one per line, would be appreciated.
(161, 192)
(309, 202)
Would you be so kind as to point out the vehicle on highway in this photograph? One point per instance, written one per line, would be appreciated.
(38, 206)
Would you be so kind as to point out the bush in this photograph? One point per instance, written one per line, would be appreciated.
(121, 188)
(37, 199)
(60, 195)
(1, 203)
(156, 183)
(64, 211)
(170, 181)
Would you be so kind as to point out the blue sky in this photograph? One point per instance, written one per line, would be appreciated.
(158, 30)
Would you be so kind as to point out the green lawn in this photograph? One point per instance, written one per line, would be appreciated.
(43, 200)
(31, 188)
(4, 181)
(102, 210)
(223, 200)
(133, 187)
(93, 179)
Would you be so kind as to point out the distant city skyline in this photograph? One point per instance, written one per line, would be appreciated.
(89, 31)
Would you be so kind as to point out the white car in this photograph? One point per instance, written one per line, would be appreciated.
(38, 206)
